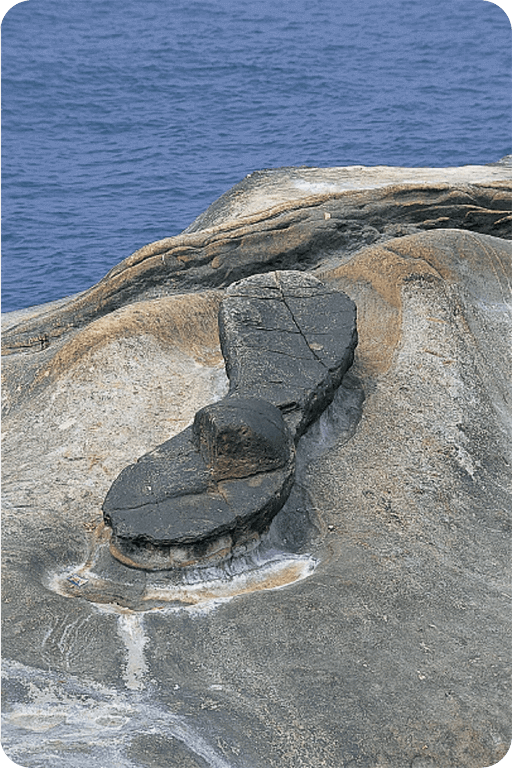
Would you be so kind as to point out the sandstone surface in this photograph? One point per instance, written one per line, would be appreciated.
(371, 626)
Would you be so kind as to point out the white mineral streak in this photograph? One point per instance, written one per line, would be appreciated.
(199, 590)
(203, 591)
(131, 630)
(61, 715)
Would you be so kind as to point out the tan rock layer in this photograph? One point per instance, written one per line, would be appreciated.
(297, 234)
(374, 278)
(185, 323)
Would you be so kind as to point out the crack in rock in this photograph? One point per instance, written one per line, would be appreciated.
(214, 489)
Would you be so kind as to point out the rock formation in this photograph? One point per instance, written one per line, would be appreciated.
(287, 341)
(371, 624)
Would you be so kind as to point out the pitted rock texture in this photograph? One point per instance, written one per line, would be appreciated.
(241, 437)
(287, 340)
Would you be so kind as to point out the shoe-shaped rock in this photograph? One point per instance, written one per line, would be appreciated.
(208, 491)
(213, 489)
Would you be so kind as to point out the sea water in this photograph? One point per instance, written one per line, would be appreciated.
(122, 121)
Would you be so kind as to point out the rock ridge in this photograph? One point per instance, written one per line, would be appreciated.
(295, 235)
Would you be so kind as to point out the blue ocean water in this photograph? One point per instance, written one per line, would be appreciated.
(123, 120)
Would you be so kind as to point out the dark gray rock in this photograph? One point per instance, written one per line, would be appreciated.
(241, 437)
(150, 480)
(287, 341)
(171, 509)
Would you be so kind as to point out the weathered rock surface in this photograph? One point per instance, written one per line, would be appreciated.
(287, 340)
(240, 437)
(169, 509)
(314, 213)
(395, 649)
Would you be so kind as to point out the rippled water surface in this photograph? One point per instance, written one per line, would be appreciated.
(123, 121)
